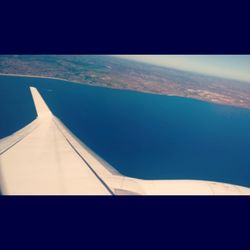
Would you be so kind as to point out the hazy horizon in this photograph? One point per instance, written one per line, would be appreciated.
(235, 67)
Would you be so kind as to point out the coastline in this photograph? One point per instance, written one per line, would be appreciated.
(127, 89)
(34, 76)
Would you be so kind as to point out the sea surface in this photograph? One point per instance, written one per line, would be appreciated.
(141, 135)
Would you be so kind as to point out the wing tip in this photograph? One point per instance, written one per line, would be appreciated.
(41, 107)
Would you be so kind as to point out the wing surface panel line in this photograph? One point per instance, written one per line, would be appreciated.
(92, 170)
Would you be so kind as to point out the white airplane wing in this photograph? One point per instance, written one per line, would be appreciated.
(46, 158)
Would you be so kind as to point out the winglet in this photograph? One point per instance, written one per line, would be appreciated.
(41, 107)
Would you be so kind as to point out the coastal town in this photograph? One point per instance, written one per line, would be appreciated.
(113, 72)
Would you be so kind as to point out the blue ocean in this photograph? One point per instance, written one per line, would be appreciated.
(141, 135)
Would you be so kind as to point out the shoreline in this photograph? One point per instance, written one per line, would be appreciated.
(34, 76)
(128, 89)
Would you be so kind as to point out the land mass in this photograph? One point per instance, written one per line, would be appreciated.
(120, 73)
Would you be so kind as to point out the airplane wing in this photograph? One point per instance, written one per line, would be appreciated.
(46, 158)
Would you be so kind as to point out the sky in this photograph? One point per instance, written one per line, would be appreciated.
(229, 66)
